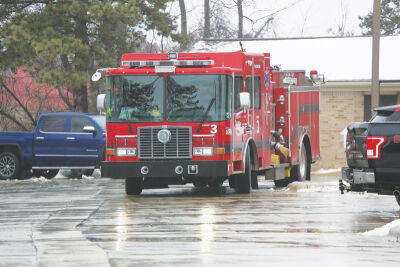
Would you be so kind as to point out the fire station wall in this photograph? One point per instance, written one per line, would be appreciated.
(340, 104)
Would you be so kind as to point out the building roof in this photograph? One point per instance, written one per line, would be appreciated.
(340, 59)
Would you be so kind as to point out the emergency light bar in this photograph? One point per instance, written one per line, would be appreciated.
(168, 63)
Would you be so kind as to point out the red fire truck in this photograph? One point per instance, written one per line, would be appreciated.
(203, 118)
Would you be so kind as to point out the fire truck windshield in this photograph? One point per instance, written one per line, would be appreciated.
(197, 98)
(189, 98)
(137, 98)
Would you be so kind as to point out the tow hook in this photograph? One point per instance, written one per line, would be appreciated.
(343, 187)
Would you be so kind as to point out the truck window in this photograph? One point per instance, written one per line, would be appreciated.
(53, 124)
(238, 90)
(135, 98)
(386, 116)
(193, 98)
(77, 124)
(257, 91)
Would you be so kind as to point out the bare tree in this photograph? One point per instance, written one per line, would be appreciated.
(22, 101)
(341, 28)
(260, 24)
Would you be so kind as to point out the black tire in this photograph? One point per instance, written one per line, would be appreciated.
(254, 180)
(232, 182)
(398, 199)
(10, 166)
(243, 181)
(76, 173)
(200, 183)
(48, 174)
(302, 171)
(88, 172)
(283, 182)
(215, 183)
(133, 186)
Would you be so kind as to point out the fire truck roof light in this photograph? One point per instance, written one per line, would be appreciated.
(168, 63)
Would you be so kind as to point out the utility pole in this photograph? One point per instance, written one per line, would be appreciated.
(376, 32)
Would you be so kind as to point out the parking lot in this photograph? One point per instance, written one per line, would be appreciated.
(91, 222)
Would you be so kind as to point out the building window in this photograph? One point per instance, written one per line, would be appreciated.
(384, 100)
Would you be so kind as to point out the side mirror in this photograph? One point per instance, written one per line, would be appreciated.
(101, 103)
(89, 129)
(244, 100)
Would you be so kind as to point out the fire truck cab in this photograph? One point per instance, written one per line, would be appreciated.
(203, 118)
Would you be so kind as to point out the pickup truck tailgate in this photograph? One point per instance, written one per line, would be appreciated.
(356, 145)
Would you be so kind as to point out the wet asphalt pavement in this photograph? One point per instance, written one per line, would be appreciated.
(91, 222)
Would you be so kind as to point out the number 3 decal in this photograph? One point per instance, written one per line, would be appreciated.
(214, 129)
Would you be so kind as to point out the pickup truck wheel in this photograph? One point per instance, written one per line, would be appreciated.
(301, 172)
(88, 172)
(48, 174)
(243, 181)
(133, 186)
(9, 166)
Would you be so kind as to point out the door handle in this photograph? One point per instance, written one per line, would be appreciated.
(39, 138)
(70, 138)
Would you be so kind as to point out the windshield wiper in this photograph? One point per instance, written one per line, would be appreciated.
(206, 114)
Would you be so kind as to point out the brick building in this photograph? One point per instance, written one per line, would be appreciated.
(341, 103)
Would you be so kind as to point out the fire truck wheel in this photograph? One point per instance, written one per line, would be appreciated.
(283, 182)
(231, 181)
(200, 183)
(397, 199)
(133, 186)
(243, 181)
(301, 172)
(215, 182)
(254, 180)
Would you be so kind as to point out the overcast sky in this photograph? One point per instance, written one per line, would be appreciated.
(302, 18)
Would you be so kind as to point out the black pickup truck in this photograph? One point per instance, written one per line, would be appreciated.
(373, 153)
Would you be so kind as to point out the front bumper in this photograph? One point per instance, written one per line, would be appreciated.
(165, 169)
(358, 176)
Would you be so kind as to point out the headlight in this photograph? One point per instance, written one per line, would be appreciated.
(203, 151)
(126, 152)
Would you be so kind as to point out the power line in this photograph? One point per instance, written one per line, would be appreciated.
(289, 38)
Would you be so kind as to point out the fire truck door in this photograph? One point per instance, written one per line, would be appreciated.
(239, 120)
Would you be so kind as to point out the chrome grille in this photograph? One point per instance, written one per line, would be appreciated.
(180, 145)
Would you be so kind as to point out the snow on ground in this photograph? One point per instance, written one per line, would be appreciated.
(390, 229)
(307, 186)
(323, 171)
(41, 179)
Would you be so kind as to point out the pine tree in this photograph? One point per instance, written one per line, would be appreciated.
(390, 19)
(64, 42)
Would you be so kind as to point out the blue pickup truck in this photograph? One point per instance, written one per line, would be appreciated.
(60, 141)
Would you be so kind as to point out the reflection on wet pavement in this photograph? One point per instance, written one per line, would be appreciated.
(91, 222)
